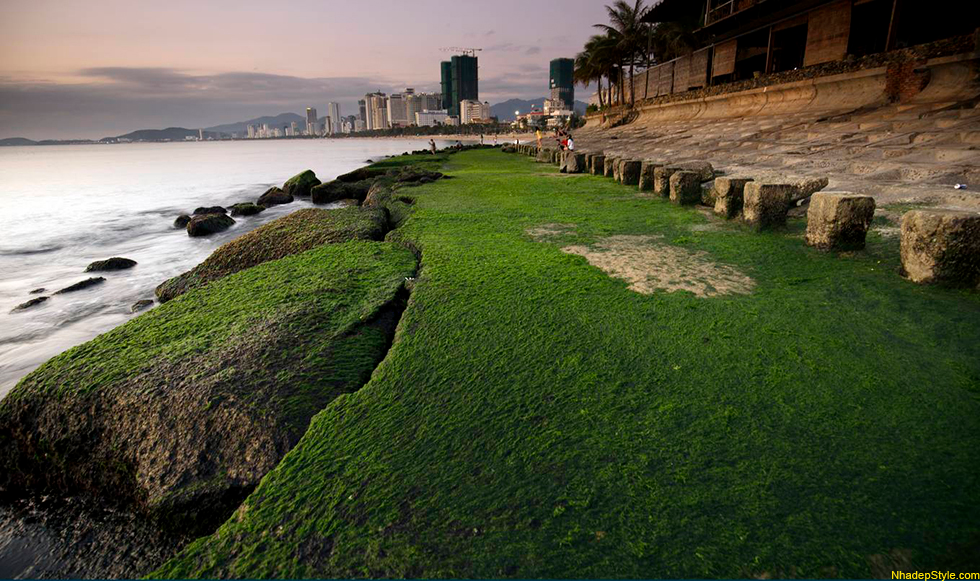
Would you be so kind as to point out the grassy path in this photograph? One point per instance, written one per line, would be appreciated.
(535, 417)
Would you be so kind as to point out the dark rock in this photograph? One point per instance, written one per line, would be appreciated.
(181, 221)
(37, 291)
(208, 224)
(273, 197)
(362, 173)
(84, 284)
(338, 190)
(209, 210)
(141, 305)
(29, 304)
(246, 209)
(114, 263)
(300, 184)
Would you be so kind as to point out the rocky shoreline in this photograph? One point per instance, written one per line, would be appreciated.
(175, 416)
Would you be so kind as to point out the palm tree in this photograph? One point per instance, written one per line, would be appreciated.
(627, 28)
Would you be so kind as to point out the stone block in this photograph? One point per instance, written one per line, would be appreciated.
(545, 155)
(941, 247)
(646, 175)
(563, 162)
(765, 205)
(839, 220)
(728, 195)
(597, 168)
(630, 172)
(661, 179)
(610, 167)
(575, 162)
(617, 171)
(685, 187)
(704, 169)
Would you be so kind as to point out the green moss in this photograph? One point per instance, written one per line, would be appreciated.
(536, 418)
(296, 232)
(301, 183)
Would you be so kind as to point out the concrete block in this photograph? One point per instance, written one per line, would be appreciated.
(685, 187)
(766, 204)
(610, 167)
(661, 179)
(545, 155)
(941, 247)
(839, 220)
(646, 175)
(597, 167)
(575, 162)
(704, 169)
(630, 172)
(728, 195)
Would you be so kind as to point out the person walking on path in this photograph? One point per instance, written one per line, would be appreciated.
(538, 135)
(432, 146)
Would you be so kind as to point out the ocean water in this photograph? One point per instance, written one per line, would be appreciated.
(62, 207)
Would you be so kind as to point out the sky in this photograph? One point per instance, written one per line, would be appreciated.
(85, 70)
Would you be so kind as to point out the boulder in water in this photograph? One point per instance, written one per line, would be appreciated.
(301, 184)
(209, 210)
(207, 224)
(273, 197)
(338, 190)
(246, 209)
(84, 284)
(114, 263)
(37, 291)
(181, 221)
(141, 305)
(29, 304)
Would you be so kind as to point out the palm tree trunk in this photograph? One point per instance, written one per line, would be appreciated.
(632, 84)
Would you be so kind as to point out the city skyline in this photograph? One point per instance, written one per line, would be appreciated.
(69, 70)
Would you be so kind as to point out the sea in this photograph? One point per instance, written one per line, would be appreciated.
(63, 207)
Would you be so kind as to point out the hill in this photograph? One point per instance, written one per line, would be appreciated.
(280, 120)
(168, 134)
(17, 141)
(505, 111)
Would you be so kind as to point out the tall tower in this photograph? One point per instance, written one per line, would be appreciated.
(466, 85)
(310, 121)
(446, 68)
(562, 82)
(333, 113)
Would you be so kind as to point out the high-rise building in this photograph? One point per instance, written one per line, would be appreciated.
(333, 118)
(431, 118)
(362, 109)
(397, 111)
(463, 82)
(563, 82)
(446, 74)
(294, 128)
(310, 121)
(472, 111)
(376, 109)
(251, 131)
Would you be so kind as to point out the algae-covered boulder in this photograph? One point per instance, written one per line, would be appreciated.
(297, 232)
(181, 411)
(210, 210)
(207, 224)
(300, 184)
(114, 263)
(246, 209)
(338, 190)
(273, 197)
(362, 173)
(181, 221)
(81, 285)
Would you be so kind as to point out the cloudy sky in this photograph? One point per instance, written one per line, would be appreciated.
(90, 69)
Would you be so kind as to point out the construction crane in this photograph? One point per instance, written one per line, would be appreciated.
(466, 51)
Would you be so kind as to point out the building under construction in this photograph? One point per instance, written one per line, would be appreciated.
(460, 82)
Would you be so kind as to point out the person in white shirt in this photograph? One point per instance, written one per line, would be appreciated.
(571, 144)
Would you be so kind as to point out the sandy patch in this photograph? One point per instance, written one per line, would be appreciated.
(550, 230)
(648, 265)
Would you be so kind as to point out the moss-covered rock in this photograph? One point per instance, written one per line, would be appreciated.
(246, 209)
(297, 232)
(207, 224)
(181, 411)
(181, 221)
(363, 173)
(81, 285)
(273, 197)
(114, 263)
(300, 184)
(210, 210)
(338, 190)
(28, 304)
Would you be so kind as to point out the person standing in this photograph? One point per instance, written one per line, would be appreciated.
(432, 146)
(538, 135)
(571, 144)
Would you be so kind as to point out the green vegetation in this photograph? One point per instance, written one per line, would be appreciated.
(536, 418)
(222, 381)
(301, 184)
(297, 232)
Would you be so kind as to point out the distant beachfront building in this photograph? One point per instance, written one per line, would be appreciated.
(310, 121)
(333, 118)
(397, 110)
(415, 103)
(471, 111)
(376, 110)
(432, 118)
(359, 125)
(362, 109)
(563, 82)
(251, 131)
(265, 130)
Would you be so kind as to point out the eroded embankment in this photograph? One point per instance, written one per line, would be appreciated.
(178, 414)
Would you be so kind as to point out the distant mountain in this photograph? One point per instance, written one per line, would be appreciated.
(281, 120)
(168, 134)
(505, 111)
(17, 141)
